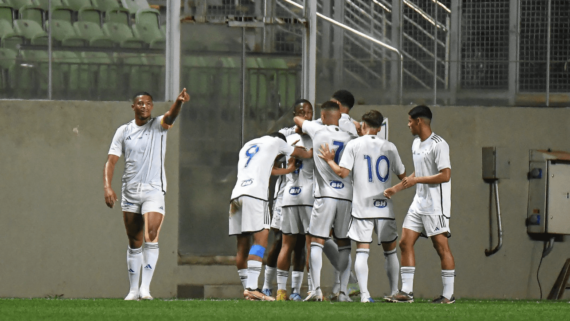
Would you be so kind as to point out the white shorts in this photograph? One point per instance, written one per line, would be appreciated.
(142, 199)
(361, 230)
(329, 212)
(296, 219)
(428, 225)
(248, 215)
(277, 214)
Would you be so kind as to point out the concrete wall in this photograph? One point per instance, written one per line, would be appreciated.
(59, 238)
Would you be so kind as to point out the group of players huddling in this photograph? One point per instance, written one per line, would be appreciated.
(341, 188)
(343, 191)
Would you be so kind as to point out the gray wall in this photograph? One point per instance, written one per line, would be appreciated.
(60, 238)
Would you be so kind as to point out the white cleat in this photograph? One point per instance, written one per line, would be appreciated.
(132, 296)
(342, 297)
(145, 295)
(315, 295)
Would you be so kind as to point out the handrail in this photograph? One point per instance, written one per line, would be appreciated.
(495, 184)
(366, 37)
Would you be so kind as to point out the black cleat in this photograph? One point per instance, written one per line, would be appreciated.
(444, 300)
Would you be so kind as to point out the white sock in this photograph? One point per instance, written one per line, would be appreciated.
(150, 254)
(448, 278)
(253, 272)
(408, 278)
(243, 277)
(296, 281)
(270, 273)
(331, 251)
(310, 281)
(344, 267)
(282, 277)
(316, 262)
(392, 268)
(361, 269)
(134, 264)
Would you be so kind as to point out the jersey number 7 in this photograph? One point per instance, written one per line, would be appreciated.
(380, 177)
(338, 150)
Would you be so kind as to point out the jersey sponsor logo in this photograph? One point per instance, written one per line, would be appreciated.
(380, 203)
(295, 190)
(337, 184)
(247, 182)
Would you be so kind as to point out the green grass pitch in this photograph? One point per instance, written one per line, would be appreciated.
(114, 309)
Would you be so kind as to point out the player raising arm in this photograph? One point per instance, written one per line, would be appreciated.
(249, 212)
(143, 142)
(372, 161)
(430, 210)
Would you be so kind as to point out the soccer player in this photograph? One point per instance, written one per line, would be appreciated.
(143, 142)
(370, 159)
(249, 213)
(333, 198)
(430, 210)
(296, 212)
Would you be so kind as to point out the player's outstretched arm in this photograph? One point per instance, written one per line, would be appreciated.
(299, 121)
(301, 152)
(110, 196)
(442, 177)
(389, 192)
(328, 155)
(276, 171)
(170, 116)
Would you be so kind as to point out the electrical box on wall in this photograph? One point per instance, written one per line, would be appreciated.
(495, 164)
(549, 192)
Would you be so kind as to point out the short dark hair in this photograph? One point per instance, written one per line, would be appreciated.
(420, 111)
(373, 118)
(300, 102)
(344, 97)
(278, 135)
(142, 93)
(329, 106)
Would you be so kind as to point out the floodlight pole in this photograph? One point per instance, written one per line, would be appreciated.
(50, 88)
(548, 55)
(310, 52)
(172, 81)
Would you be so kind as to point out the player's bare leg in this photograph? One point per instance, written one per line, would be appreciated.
(134, 225)
(153, 223)
(298, 268)
(441, 245)
(344, 268)
(408, 268)
(243, 245)
(271, 262)
(254, 264)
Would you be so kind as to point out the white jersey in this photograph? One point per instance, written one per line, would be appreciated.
(299, 188)
(430, 157)
(256, 160)
(327, 182)
(144, 148)
(345, 123)
(287, 131)
(371, 161)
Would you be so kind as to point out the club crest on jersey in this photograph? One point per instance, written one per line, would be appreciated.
(337, 184)
(247, 182)
(380, 203)
(295, 190)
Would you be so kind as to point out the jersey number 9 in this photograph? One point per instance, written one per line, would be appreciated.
(250, 152)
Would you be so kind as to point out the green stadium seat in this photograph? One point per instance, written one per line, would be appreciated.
(93, 33)
(101, 71)
(7, 66)
(122, 34)
(89, 14)
(76, 5)
(17, 4)
(32, 31)
(6, 13)
(62, 13)
(150, 34)
(32, 13)
(105, 5)
(8, 39)
(148, 16)
(113, 11)
(7, 58)
(64, 32)
(33, 79)
(44, 4)
(67, 80)
(135, 5)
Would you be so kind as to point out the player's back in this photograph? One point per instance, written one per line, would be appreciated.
(327, 182)
(299, 188)
(256, 160)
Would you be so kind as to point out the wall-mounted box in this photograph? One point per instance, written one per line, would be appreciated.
(549, 192)
(496, 165)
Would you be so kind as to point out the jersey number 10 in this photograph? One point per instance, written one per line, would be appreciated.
(380, 177)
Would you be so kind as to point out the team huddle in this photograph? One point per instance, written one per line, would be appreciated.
(335, 188)
(338, 186)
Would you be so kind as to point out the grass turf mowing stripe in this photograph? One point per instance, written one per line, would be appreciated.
(114, 309)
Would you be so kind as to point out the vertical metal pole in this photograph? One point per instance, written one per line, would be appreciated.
(396, 70)
(338, 43)
(310, 51)
(326, 32)
(383, 51)
(548, 55)
(448, 26)
(454, 50)
(50, 88)
(513, 50)
(172, 81)
(371, 31)
(242, 82)
(435, 54)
